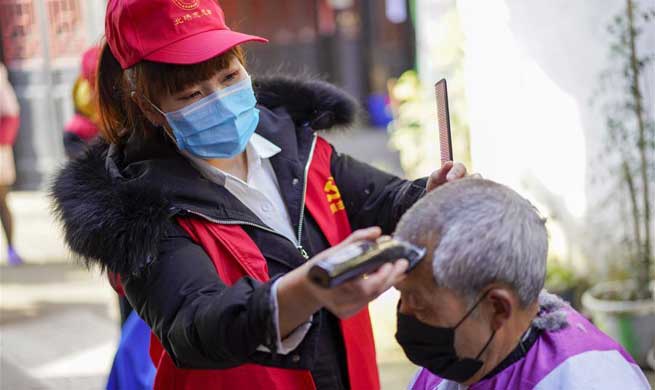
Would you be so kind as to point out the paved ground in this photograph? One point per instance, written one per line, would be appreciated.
(58, 321)
(57, 327)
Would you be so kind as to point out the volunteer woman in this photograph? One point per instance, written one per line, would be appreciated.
(208, 202)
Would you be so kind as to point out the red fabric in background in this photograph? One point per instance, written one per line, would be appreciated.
(9, 129)
(82, 126)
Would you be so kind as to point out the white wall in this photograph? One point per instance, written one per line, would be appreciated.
(531, 72)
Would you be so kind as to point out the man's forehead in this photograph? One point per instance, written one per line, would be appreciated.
(421, 277)
(422, 280)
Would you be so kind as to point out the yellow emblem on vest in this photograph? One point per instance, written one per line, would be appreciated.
(333, 196)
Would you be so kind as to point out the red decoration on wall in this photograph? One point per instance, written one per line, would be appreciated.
(327, 24)
(20, 31)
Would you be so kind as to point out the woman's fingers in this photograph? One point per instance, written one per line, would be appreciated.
(440, 175)
(450, 171)
(458, 171)
(368, 234)
(371, 233)
(399, 272)
(396, 274)
(372, 285)
(347, 299)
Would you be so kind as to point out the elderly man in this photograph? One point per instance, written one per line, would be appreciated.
(471, 313)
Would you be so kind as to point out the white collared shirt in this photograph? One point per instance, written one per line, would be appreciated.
(261, 192)
(261, 195)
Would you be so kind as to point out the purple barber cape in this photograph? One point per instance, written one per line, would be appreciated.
(570, 353)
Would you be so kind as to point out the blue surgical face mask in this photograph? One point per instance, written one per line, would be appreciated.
(218, 125)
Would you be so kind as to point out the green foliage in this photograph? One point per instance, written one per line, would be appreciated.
(630, 143)
(409, 135)
(414, 130)
(559, 277)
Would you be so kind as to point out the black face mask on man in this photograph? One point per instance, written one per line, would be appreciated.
(434, 347)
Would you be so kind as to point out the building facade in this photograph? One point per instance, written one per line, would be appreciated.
(41, 42)
(357, 44)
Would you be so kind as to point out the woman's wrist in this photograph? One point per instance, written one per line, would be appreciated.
(296, 300)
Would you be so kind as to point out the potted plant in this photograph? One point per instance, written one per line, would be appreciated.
(626, 309)
(564, 282)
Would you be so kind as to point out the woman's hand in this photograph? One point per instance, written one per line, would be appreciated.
(299, 298)
(349, 298)
(450, 171)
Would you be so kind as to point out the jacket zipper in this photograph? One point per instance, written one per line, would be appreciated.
(302, 250)
(297, 244)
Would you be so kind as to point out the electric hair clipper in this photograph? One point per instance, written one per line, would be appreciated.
(357, 259)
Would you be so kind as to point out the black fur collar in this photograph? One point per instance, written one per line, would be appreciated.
(320, 104)
(118, 224)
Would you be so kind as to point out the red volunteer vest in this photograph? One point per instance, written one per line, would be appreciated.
(235, 255)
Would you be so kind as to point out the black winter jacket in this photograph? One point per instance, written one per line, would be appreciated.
(118, 206)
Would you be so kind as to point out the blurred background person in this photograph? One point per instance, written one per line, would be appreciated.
(9, 123)
(82, 128)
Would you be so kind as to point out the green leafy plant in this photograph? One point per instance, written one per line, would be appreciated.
(409, 135)
(414, 131)
(631, 140)
(559, 277)
(562, 280)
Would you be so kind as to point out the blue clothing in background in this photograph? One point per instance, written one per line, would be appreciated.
(133, 368)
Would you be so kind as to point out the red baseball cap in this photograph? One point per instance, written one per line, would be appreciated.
(169, 31)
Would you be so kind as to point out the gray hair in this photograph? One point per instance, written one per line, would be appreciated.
(482, 232)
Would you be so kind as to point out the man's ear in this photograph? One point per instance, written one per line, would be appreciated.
(152, 115)
(501, 304)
